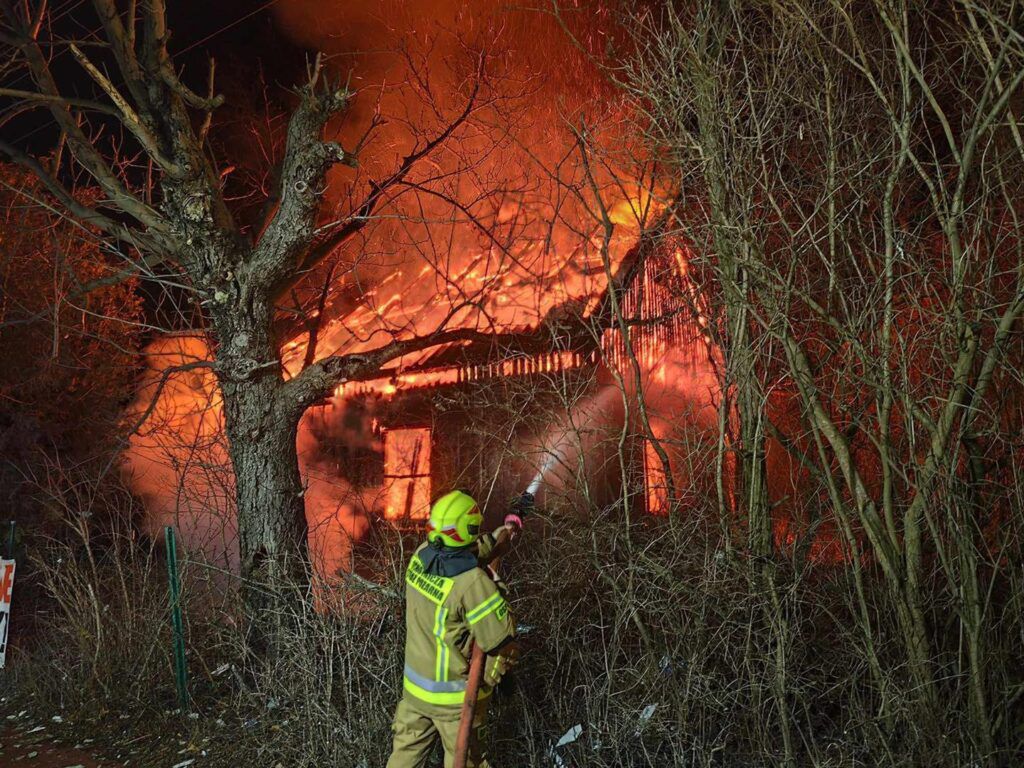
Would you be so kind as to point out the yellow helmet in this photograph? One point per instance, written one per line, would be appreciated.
(455, 520)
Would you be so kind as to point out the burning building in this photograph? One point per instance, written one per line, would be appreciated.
(454, 416)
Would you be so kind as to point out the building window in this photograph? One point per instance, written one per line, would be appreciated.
(407, 473)
(655, 486)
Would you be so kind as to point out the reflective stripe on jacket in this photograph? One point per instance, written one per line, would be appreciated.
(442, 616)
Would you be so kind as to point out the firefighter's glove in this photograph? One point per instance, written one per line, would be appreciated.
(498, 665)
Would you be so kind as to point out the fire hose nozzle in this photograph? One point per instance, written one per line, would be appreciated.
(521, 507)
(524, 504)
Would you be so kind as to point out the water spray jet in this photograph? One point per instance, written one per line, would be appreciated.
(546, 466)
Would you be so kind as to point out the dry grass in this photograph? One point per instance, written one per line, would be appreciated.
(652, 617)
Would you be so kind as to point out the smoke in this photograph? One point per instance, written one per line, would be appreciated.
(490, 211)
(337, 512)
(368, 38)
(177, 460)
(177, 463)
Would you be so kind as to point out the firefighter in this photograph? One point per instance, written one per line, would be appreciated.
(452, 600)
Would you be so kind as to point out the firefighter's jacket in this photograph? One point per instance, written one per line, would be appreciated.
(443, 616)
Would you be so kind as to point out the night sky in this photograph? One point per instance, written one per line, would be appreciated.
(239, 34)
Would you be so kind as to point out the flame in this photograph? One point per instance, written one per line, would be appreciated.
(655, 483)
(516, 292)
(407, 473)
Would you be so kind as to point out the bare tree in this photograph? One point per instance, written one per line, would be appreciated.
(162, 200)
(858, 170)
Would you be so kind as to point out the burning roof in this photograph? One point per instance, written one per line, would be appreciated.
(494, 291)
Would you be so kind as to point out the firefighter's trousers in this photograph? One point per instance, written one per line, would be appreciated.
(418, 726)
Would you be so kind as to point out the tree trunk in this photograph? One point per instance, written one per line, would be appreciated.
(271, 508)
(751, 469)
(727, 205)
(261, 425)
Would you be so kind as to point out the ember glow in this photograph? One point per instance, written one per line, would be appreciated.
(654, 482)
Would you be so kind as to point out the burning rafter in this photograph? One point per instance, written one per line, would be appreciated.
(568, 297)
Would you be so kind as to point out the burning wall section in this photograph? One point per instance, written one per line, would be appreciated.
(672, 352)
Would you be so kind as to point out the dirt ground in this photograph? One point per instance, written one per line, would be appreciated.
(33, 739)
(23, 743)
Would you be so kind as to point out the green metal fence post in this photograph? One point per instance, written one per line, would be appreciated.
(180, 671)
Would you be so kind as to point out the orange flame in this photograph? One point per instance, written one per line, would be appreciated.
(407, 473)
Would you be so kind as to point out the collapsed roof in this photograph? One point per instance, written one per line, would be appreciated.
(521, 294)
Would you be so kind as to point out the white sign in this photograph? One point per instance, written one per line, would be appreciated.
(6, 588)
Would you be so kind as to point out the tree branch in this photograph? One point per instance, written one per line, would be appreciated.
(84, 151)
(355, 222)
(122, 43)
(320, 379)
(93, 106)
(128, 116)
(83, 213)
(306, 162)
